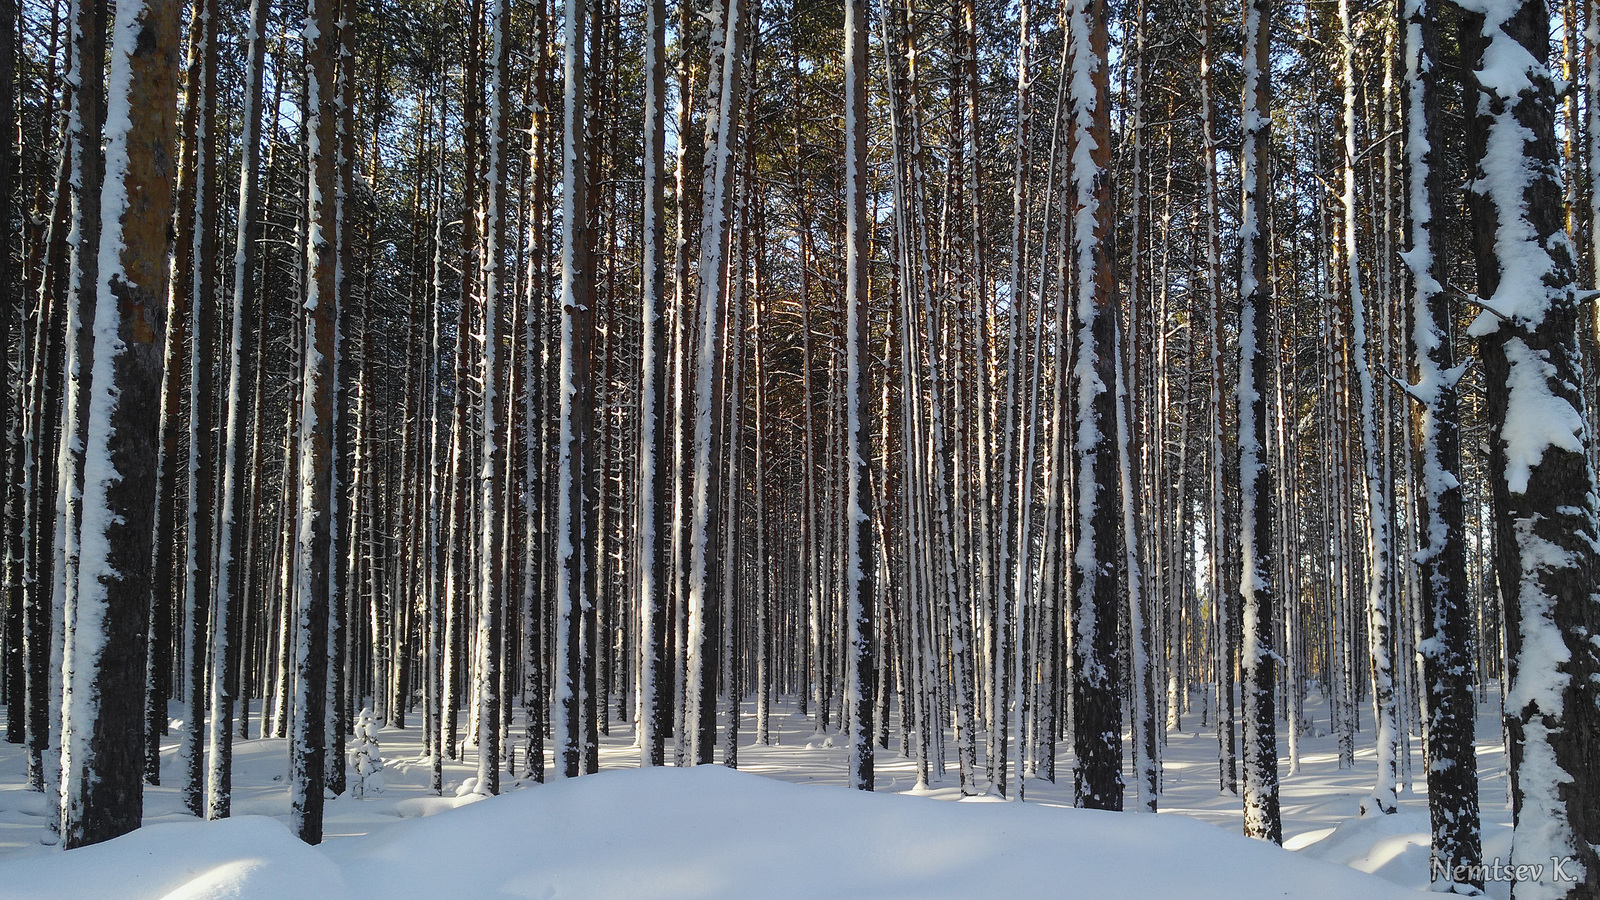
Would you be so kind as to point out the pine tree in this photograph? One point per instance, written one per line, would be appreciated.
(102, 730)
(573, 595)
(1095, 587)
(314, 522)
(1262, 818)
(860, 687)
(1542, 485)
(651, 717)
(1446, 608)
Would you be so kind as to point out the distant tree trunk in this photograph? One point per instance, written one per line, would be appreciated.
(1446, 610)
(190, 435)
(1222, 644)
(860, 558)
(208, 626)
(496, 272)
(577, 326)
(103, 704)
(723, 102)
(314, 532)
(1142, 711)
(234, 570)
(1383, 798)
(1542, 486)
(653, 573)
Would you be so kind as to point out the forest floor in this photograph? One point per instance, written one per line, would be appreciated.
(711, 833)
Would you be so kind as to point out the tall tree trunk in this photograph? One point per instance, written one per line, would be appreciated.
(1446, 609)
(103, 705)
(573, 598)
(1095, 588)
(1222, 644)
(860, 559)
(208, 628)
(491, 579)
(651, 719)
(1542, 485)
(723, 102)
(1383, 798)
(314, 593)
(1258, 662)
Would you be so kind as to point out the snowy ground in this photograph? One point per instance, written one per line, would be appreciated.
(710, 833)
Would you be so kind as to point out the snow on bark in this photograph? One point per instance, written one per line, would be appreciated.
(1383, 798)
(85, 177)
(307, 749)
(1095, 590)
(1446, 614)
(1257, 660)
(723, 103)
(491, 580)
(1542, 482)
(230, 524)
(860, 676)
(653, 589)
(570, 606)
(102, 728)
(1146, 767)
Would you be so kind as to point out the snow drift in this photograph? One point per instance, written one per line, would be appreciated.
(704, 833)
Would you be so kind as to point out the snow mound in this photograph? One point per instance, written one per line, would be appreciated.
(243, 858)
(708, 833)
(1396, 847)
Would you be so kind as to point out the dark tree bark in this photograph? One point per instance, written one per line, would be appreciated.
(1542, 486)
(860, 559)
(11, 312)
(108, 617)
(1096, 591)
(573, 595)
(1446, 606)
(308, 747)
(1258, 662)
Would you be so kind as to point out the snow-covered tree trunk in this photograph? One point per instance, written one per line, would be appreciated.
(1222, 643)
(577, 323)
(190, 551)
(860, 672)
(167, 598)
(1542, 486)
(653, 582)
(204, 626)
(313, 575)
(1010, 559)
(537, 516)
(1258, 662)
(1146, 765)
(11, 395)
(1095, 588)
(232, 547)
(723, 102)
(1446, 610)
(85, 123)
(102, 730)
(348, 462)
(1383, 797)
(491, 580)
